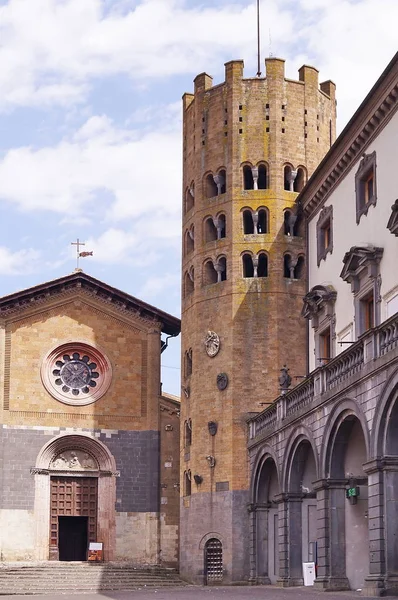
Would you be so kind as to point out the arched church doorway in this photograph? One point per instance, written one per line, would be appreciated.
(349, 502)
(266, 522)
(302, 509)
(74, 498)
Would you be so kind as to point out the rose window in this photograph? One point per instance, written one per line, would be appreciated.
(76, 373)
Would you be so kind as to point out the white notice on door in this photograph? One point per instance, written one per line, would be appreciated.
(309, 573)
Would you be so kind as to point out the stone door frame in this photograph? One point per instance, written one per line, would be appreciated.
(106, 475)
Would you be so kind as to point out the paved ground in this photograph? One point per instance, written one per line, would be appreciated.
(204, 593)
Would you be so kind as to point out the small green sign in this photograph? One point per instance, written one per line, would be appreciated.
(352, 492)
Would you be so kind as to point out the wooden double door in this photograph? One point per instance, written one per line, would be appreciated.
(73, 517)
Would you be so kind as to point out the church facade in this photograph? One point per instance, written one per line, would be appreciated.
(88, 446)
(324, 455)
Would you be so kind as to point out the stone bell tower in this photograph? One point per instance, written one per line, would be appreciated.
(249, 147)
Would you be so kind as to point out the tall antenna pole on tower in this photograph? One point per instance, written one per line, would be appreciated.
(258, 40)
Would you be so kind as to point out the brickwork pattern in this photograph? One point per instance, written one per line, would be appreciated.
(242, 121)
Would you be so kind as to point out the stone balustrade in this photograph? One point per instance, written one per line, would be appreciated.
(372, 345)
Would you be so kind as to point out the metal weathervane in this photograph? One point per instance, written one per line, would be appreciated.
(80, 254)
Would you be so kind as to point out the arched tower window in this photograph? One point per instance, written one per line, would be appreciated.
(289, 176)
(262, 223)
(221, 181)
(188, 362)
(287, 262)
(221, 226)
(209, 273)
(299, 268)
(189, 283)
(292, 223)
(210, 230)
(210, 186)
(299, 181)
(247, 264)
(221, 268)
(248, 181)
(248, 224)
(190, 197)
(187, 483)
(262, 177)
(262, 267)
(188, 433)
(190, 240)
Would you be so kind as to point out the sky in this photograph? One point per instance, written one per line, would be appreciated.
(90, 122)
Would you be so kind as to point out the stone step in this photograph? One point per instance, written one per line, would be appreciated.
(78, 577)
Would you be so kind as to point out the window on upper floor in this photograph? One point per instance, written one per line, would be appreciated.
(262, 266)
(248, 223)
(247, 264)
(210, 230)
(188, 433)
(324, 233)
(209, 273)
(187, 483)
(319, 305)
(189, 282)
(392, 224)
(365, 185)
(190, 197)
(361, 270)
(248, 181)
(262, 221)
(262, 177)
(188, 362)
(210, 186)
(299, 180)
(293, 268)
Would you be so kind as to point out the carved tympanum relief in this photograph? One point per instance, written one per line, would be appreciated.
(74, 460)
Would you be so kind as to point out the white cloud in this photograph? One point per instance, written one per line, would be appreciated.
(156, 286)
(18, 263)
(139, 173)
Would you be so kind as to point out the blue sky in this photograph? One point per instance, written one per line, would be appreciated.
(90, 121)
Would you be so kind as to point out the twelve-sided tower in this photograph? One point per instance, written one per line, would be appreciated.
(249, 147)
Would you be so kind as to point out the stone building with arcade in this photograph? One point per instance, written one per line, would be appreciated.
(88, 445)
(324, 456)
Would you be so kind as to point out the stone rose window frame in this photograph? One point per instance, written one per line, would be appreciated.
(365, 185)
(324, 234)
(84, 357)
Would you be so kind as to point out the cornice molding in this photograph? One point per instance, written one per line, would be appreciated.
(83, 285)
(367, 123)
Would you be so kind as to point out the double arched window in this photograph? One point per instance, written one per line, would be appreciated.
(293, 267)
(214, 185)
(255, 178)
(215, 272)
(255, 266)
(294, 179)
(214, 228)
(255, 221)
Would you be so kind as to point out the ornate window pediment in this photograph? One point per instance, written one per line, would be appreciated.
(318, 299)
(392, 224)
(360, 262)
(365, 185)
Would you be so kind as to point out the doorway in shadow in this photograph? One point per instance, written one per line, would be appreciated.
(73, 538)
